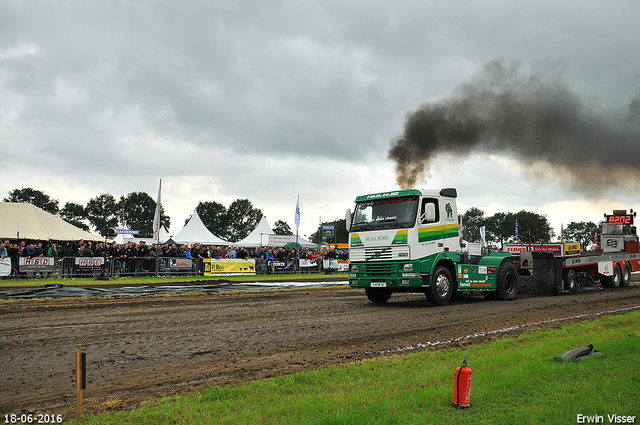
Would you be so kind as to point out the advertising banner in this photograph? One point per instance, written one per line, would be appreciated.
(279, 240)
(37, 264)
(89, 263)
(180, 264)
(230, 265)
(308, 263)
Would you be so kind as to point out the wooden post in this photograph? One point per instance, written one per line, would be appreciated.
(79, 379)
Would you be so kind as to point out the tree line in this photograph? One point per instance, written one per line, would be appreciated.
(532, 227)
(136, 210)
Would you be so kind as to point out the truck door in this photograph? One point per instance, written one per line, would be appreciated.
(429, 232)
(438, 225)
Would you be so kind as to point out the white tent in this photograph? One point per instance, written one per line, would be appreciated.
(262, 235)
(26, 221)
(195, 231)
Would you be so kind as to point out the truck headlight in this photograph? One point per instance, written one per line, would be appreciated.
(407, 267)
(354, 268)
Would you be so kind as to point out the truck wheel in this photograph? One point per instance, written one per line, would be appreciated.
(570, 281)
(378, 295)
(626, 275)
(507, 281)
(439, 293)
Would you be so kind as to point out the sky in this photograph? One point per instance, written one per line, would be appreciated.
(272, 100)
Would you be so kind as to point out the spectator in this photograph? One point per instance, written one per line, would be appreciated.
(141, 257)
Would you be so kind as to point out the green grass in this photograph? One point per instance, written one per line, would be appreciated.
(168, 280)
(514, 382)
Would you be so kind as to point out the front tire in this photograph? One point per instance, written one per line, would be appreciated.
(378, 295)
(442, 286)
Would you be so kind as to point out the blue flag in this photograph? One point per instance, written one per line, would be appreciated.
(516, 227)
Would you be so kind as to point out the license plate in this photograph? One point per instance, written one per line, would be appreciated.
(378, 284)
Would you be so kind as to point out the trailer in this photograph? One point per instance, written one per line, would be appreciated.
(565, 267)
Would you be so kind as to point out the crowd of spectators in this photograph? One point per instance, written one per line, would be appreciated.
(135, 257)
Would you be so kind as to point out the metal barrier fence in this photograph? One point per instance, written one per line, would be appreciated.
(100, 267)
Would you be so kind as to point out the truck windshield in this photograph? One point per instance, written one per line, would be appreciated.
(392, 213)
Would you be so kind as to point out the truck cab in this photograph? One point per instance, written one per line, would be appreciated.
(408, 241)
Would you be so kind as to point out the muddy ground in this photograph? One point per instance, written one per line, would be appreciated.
(142, 348)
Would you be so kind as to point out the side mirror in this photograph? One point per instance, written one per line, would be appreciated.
(429, 214)
(347, 219)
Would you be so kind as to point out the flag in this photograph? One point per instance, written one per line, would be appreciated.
(297, 217)
(516, 227)
(482, 234)
(460, 230)
(156, 217)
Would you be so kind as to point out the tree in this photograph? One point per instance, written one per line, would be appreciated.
(136, 212)
(242, 219)
(214, 217)
(101, 212)
(533, 225)
(281, 228)
(74, 214)
(472, 220)
(34, 197)
(501, 227)
(583, 233)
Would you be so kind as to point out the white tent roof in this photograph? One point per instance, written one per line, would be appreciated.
(34, 223)
(262, 235)
(195, 231)
(257, 236)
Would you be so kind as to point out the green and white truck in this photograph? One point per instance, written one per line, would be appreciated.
(408, 241)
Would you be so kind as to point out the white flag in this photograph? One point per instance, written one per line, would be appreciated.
(297, 217)
(482, 234)
(156, 217)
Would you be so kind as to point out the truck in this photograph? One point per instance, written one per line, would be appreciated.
(409, 241)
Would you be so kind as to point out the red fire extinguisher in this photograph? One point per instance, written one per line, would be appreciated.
(462, 386)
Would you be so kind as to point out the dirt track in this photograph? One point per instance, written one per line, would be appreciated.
(145, 347)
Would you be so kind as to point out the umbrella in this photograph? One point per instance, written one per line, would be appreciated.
(293, 245)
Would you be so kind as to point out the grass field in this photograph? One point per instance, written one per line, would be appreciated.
(514, 382)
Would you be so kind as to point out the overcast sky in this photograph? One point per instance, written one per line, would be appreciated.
(274, 99)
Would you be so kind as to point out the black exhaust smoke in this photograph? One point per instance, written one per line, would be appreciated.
(538, 121)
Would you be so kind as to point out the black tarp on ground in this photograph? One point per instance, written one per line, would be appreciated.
(579, 353)
(61, 291)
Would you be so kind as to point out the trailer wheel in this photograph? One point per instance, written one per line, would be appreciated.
(378, 295)
(507, 281)
(626, 275)
(612, 281)
(617, 276)
(441, 289)
(570, 281)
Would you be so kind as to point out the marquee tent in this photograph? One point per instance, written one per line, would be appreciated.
(26, 221)
(262, 235)
(195, 231)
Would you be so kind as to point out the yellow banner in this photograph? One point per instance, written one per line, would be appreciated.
(232, 265)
